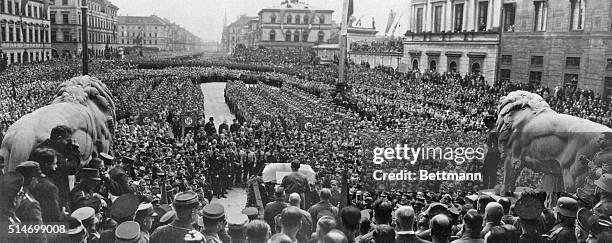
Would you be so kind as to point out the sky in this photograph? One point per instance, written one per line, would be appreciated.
(204, 18)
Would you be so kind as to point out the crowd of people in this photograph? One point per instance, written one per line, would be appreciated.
(390, 45)
(158, 182)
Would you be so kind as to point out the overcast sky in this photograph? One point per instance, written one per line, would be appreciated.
(205, 17)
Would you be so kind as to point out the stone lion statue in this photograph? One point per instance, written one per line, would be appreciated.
(532, 135)
(83, 104)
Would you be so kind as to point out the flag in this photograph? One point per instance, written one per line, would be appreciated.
(347, 11)
(390, 21)
(350, 10)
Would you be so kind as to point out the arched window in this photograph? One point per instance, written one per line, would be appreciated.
(322, 19)
(297, 19)
(289, 19)
(432, 65)
(415, 65)
(453, 67)
(476, 68)
(296, 36)
(288, 36)
(305, 36)
(306, 19)
(273, 19)
(320, 37)
(272, 35)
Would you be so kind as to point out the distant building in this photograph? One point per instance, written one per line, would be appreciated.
(242, 31)
(66, 27)
(556, 43)
(294, 24)
(454, 36)
(24, 31)
(149, 32)
(154, 33)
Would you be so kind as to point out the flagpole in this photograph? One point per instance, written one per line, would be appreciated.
(340, 88)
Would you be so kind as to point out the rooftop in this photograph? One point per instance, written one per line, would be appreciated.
(141, 20)
(243, 20)
(296, 5)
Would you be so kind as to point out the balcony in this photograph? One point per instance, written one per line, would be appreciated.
(454, 36)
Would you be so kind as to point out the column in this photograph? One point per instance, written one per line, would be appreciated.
(6, 32)
(471, 15)
(449, 16)
(465, 16)
(409, 17)
(490, 15)
(497, 14)
(428, 21)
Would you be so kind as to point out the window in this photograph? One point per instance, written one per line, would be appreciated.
(537, 61)
(507, 59)
(570, 79)
(288, 36)
(572, 62)
(52, 18)
(432, 65)
(509, 17)
(64, 2)
(535, 77)
(306, 19)
(2, 8)
(53, 36)
(273, 19)
(289, 19)
(482, 15)
(122, 41)
(296, 36)
(66, 35)
(505, 75)
(3, 33)
(577, 14)
(17, 34)
(419, 20)
(320, 37)
(452, 67)
(297, 19)
(458, 17)
(608, 88)
(437, 19)
(9, 6)
(540, 16)
(272, 35)
(65, 18)
(322, 19)
(305, 36)
(609, 64)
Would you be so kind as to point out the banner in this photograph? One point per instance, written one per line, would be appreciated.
(189, 121)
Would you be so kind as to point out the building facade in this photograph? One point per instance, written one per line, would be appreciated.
(558, 43)
(66, 28)
(294, 24)
(454, 36)
(243, 31)
(24, 31)
(149, 32)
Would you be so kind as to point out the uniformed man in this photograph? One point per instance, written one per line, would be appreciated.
(87, 217)
(565, 212)
(129, 231)
(213, 218)
(237, 228)
(29, 210)
(86, 189)
(251, 212)
(185, 205)
(144, 217)
(123, 210)
(209, 128)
